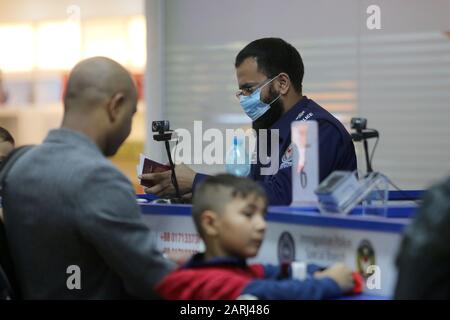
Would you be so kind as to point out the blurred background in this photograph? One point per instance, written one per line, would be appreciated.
(181, 54)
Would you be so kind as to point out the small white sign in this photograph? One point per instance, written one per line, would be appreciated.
(305, 169)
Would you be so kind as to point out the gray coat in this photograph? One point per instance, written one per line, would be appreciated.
(66, 205)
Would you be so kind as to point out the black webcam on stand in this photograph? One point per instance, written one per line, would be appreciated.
(163, 133)
(163, 130)
(363, 134)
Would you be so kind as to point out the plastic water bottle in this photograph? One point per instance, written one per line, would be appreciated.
(237, 160)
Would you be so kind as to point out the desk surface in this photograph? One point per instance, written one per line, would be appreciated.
(308, 216)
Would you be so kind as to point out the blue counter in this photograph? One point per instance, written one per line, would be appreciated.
(305, 235)
(395, 220)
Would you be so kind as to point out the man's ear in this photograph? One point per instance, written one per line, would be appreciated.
(114, 106)
(284, 83)
(209, 221)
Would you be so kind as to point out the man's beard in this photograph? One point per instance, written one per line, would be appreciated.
(272, 115)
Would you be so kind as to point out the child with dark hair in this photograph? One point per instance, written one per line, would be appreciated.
(230, 215)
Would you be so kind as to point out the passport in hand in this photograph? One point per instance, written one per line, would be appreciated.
(147, 165)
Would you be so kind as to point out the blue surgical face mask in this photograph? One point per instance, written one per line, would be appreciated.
(252, 104)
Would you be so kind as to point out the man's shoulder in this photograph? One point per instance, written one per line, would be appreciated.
(319, 113)
(326, 120)
(64, 165)
(308, 109)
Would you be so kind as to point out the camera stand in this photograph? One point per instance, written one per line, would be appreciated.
(163, 136)
(166, 137)
(364, 135)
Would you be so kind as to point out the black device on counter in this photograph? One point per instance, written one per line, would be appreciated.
(163, 130)
(363, 134)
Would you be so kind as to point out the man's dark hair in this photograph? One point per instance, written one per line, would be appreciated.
(274, 55)
(216, 191)
(5, 136)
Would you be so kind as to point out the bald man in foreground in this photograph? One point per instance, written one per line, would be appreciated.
(74, 228)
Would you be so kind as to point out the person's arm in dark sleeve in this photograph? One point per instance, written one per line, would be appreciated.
(285, 272)
(279, 187)
(275, 271)
(199, 177)
(292, 289)
(110, 220)
(313, 268)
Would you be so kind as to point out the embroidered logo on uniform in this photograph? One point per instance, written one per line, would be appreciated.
(286, 160)
(300, 115)
(309, 115)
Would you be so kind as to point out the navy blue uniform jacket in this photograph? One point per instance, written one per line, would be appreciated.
(336, 150)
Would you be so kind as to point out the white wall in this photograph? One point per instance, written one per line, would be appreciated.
(215, 21)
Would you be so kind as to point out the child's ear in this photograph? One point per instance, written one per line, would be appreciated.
(209, 223)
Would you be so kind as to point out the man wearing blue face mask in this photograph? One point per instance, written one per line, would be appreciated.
(252, 104)
(270, 74)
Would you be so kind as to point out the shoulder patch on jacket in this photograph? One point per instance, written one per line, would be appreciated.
(286, 160)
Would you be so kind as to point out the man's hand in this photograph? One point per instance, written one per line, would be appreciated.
(163, 181)
(339, 273)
